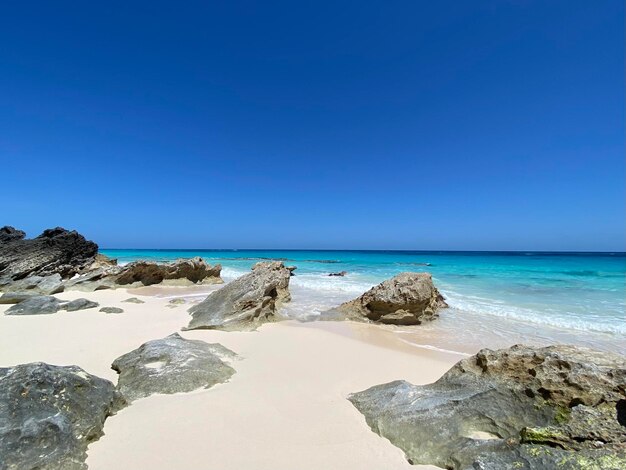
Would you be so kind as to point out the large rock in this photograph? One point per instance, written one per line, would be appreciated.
(193, 270)
(526, 408)
(37, 305)
(172, 365)
(246, 302)
(50, 414)
(55, 251)
(45, 285)
(80, 304)
(15, 297)
(406, 299)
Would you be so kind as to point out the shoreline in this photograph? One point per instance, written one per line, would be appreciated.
(287, 402)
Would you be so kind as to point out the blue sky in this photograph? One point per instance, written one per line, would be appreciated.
(384, 125)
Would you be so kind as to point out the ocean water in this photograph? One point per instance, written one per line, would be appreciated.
(496, 298)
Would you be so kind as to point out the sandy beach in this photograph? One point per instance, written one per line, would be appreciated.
(285, 407)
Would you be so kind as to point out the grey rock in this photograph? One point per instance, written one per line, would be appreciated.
(338, 274)
(134, 300)
(406, 299)
(49, 415)
(100, 278)
(55, 251)
(45, 285)
(111, 310)
(246, 302)
(177, 301)
(172, 365)
(193, 270)
(520, 407)
(15, 297)
(80, 304)
(37, 305)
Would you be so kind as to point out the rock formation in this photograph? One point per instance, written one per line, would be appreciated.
(406, 299)
(79, 304)
(111, 310)
(36, 305)
(246, 302)
(527, 408)
(194, 270)
(172, 365)
(50, 414)
(55, 251)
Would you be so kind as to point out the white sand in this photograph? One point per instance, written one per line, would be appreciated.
(285, 408)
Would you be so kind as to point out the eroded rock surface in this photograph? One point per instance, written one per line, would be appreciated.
(246, 302)
(49, 414)
(193, 270)
(80, 304)
(55, 251)
(36, 305)
(526, 408)
(406, 299)
(172, 365)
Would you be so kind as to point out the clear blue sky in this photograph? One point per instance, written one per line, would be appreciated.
(384, 125)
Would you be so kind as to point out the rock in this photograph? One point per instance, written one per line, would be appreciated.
(80, 304)
(111, 310)
(193, 270)
(520, 407)
(177, 301)
(45, 285)
(15, 297)
(36, 305)
(172, 365)
(50, 414)
(102, 261)
(134, 300)
(97, 279)
(246, 302)
(406, 299)
(291, 269)
(55, 251)
(339, 274)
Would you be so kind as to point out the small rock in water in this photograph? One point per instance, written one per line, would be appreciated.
(15, 297)
(50, 414)
(80, 304)
(339, 274)
(134, 300)
(172, 365)
(111, 310)
(37, 305)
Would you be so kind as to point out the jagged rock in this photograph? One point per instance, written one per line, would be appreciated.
(36, 305)
(111, 310)
(97, 279)
(406, 299)
(339, 274)
(134, 300)
(44, 285)
(102, 261)
(15, 297)
(193, 270)
(80, 304)
(55, 251)
(291, 270)
(172, 365)
(246, 302)
(538, 407)
(49, 415)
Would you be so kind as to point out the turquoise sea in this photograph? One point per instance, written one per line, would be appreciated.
(496, 298)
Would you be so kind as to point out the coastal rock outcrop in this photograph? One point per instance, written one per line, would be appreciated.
(15, 297)
(406, 299)
(36, 305)
(55, 251)
(522, 407)
(80, 304)
(172, 365)
(246, 302)
(194, 270)
(111, 310)
(49, 415)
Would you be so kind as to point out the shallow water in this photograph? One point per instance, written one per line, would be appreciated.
(496, 298)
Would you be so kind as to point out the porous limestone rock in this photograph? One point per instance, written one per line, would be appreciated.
(405, 299)
(193, 270)
(246, 302)
(49, 415)
(522, 407)
(172, 365)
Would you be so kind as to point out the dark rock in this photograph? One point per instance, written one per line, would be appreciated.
(406, 299)
(111, 310)
(55, 251)
(36, 305)
(515, 408)
(246, 302)
(172, 365)
(339, 274)
(9, 234)
(134, 300)
(50, 414)
(80, 304)
(15, 297)
(194, 270)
